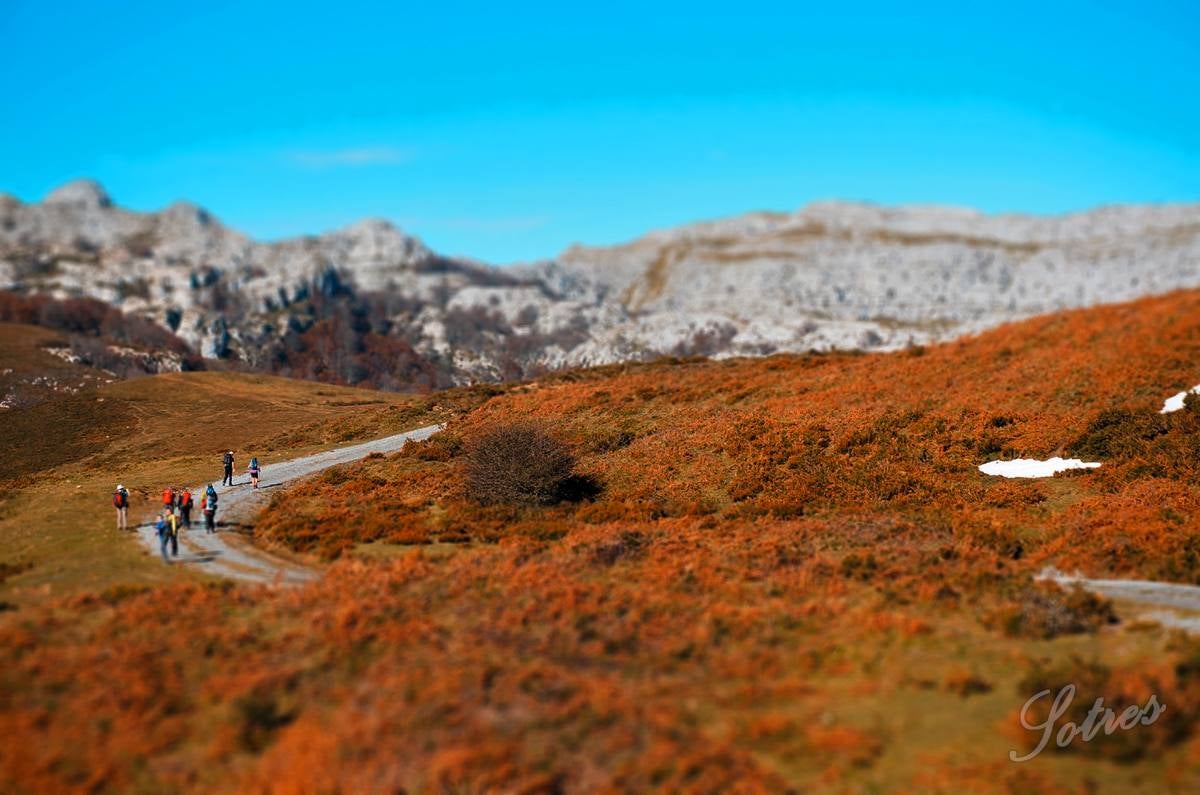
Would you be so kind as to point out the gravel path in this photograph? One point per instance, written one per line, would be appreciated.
(1177, 605)
(222, 554)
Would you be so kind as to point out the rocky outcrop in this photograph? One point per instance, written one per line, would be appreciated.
(840, 275)
(832, 275)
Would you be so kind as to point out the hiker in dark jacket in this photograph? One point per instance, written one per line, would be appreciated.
(228, 461)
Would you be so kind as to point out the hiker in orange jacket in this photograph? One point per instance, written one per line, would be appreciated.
(168, 499)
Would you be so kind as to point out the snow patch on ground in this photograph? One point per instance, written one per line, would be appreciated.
(1033, 468)
(1175, 402)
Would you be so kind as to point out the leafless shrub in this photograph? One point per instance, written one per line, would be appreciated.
(1048, 611)
(518, 464)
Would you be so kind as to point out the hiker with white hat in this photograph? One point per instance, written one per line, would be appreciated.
(120, 501)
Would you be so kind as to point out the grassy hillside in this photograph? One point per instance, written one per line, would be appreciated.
(30, 373)
(64, 456)
(820, 436)
(793, 576)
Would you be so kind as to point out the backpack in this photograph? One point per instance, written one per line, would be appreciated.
(254, 463)
(185, 500)
(228, 459)
(120, 500)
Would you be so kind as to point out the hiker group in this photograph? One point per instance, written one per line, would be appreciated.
(177, 513)
(177, 504)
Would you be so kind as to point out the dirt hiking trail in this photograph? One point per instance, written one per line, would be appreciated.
(222, 553)
(1174, 604)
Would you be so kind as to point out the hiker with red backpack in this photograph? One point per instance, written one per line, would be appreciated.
(185, 508)
(120, 501)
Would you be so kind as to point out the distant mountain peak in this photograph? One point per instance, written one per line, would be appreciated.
(86, 192)
(373, 227)
(186, 211)
(381, 240)
(830, 275)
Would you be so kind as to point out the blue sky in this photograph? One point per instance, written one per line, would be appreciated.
(507, 131)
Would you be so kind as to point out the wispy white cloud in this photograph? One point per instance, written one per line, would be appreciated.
(351, 158)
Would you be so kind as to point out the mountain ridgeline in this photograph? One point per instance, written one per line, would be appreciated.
(371, 305)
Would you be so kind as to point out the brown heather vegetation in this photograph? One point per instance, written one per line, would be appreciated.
(790, 575)
(93, 325)
(790, 437)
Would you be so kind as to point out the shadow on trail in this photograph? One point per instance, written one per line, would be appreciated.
(197, 557)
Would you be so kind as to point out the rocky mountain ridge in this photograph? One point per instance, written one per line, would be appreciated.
(370, 303)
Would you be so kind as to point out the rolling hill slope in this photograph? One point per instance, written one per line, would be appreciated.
(793, 577)
(64, 456)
